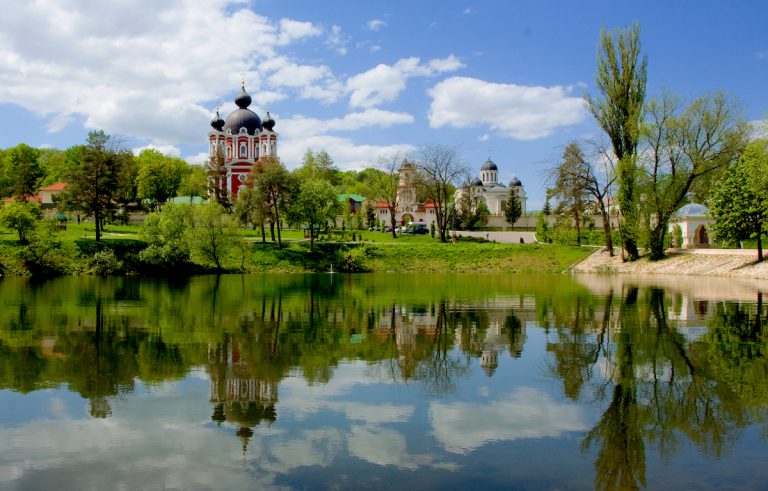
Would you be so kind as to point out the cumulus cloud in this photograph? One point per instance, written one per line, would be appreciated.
(375, 24)
(515, 111)
(383, 83)
(138, 75)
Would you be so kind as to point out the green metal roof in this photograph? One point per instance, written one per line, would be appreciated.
(354, 197)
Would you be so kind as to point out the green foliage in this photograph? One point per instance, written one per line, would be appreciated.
(48, 256)
(167, 236)
(22, 217)
(194, 183)
(213, 238)
(315, 205)
(25, 170)
(738, 202)
(513, 208)
(543, 233)
(318, 166)
(95, 180)
(159, 176)
(621, 81)
(104, 262)
(677, 236)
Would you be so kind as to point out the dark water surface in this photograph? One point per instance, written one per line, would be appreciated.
(383, 382)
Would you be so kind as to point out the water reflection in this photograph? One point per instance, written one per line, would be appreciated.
(399, 373)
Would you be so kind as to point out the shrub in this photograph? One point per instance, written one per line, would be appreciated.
(48, 256)
(104, 262)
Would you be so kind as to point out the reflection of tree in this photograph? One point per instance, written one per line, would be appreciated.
(442, 366)
(663, 385)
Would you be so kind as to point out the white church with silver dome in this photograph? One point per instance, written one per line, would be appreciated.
(488, 189)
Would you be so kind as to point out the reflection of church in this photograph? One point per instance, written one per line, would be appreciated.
(238, 397)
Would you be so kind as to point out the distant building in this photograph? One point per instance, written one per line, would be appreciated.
(49, 194)
(408, 210)
(240, 140)
(488, 189)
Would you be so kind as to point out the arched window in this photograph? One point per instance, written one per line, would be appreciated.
(243, 150)
(229, 152)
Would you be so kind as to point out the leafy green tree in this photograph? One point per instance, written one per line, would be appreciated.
(679, 147)
(513, 209)
(387, 186)
(318, 165)
(440, 170)
(24, 167)
(194, 183)
(543, 233)
(214, 237)
(568, 187)
(621, 81)
(167, 233)
(314, 205)
(22, 217)
(277, 188)
(738, 203)
(159, 176)
(93, 181)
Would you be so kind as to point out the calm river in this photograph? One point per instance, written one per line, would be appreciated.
(383, 382)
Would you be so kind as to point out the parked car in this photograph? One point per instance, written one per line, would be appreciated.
(417, 228)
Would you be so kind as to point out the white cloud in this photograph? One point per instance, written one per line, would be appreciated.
(375, 24)
(468, 11)
(485, 137)
(375, 48)
(169, 150)
(291, 30)
(515, 111)
(526, 413)
(761, 55)
(383, 83)
(300, 133)
(337, 40)
(138, 75)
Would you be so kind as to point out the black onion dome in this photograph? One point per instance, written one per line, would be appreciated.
(476, 183)
(268, 122)
(242, 117)
(243, 100)
(489, 165)
(217, 123)
(515, 183)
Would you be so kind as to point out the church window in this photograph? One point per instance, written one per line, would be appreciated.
(243, 150)
(242, 177)
(229, 152)
(256, 150)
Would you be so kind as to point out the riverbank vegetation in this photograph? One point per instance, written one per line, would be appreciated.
(188, 240)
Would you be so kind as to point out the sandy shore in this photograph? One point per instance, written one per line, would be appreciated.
(705, 262)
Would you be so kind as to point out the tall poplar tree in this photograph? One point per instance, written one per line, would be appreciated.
(621, 80)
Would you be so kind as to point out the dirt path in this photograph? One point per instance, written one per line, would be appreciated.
(706, 262)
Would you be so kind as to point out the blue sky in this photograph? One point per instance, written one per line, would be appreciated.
(362, 80)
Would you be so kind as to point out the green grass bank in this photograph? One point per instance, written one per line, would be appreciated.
(75, 251)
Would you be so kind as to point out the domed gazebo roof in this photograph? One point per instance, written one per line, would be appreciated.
(692, 210)
(515, 183)
(489, 165)
(476, 182)
(242, 117)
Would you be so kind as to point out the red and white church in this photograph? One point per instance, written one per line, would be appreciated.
(239, 142)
